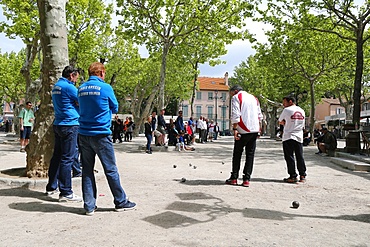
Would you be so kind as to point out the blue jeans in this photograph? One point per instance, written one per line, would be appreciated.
(291, 147)
(76, 166)
(100, 145)
(65, 141)
(149, 138)
(247, 141)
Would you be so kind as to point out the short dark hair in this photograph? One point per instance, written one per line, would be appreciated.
(68, 70)
(236, 87)
(289, 98)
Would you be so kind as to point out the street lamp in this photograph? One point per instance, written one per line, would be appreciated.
(215, 98)
(223, 112)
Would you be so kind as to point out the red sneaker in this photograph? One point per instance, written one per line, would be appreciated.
(231, 181)
(245, 183)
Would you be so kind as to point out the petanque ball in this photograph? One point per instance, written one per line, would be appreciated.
(295, 204)
(174, 166)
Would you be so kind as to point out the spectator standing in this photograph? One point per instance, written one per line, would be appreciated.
(26, 121)
(211, 131)
(161, 127)
(97, 103)
(246, 119)
(216, 131)
(201, 125)
(117, 129)
(154, 127)
(65, 126)
(148, 134)
(293, 120)
(179, 123)
(130, 128)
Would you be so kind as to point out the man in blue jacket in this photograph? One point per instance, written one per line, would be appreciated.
(65, 101)
(97, 103)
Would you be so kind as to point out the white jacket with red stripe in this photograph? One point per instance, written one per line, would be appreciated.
(246, 112)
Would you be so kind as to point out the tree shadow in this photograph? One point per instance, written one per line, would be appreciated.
(179, 213)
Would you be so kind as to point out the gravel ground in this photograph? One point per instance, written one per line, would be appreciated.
(183, 201)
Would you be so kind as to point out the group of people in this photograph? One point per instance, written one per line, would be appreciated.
(246, 119)
(83, 124)
(122, 129)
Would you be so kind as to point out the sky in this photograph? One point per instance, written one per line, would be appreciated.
(238, 51)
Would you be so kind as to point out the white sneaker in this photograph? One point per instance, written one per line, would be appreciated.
(70, 198)
(92, 212)
(50, 193)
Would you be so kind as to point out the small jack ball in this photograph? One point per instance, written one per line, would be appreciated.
(295, 204)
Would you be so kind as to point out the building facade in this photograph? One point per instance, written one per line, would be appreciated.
(212, 101)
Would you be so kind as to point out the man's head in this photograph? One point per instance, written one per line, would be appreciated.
(162, 111)
(97, 69)
(154, 113)
(324, 129)
(235, 89)
(180, 113)
(288, 101)
(70, 73)
(28, 104)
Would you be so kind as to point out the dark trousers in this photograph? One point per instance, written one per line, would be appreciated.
(247, 141)
(117, 135)
(291, 148)
(65, 142)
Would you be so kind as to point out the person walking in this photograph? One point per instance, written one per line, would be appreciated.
(26, 121)
(246, 120)
(97, 103)
(65, 126)
(293, 120)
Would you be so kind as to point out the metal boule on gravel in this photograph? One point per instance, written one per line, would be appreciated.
(183, 180)
(174, 166)
(295, 204)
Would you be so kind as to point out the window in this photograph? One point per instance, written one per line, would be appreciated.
(223, 96)
(339, 110)
(210, 95)
(210, 112)
(223, 113)
(199, 96)
(185, 111)
(198, 111)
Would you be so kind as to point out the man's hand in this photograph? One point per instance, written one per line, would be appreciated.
(236, 135)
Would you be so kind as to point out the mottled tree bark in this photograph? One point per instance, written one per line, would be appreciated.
(54, 45)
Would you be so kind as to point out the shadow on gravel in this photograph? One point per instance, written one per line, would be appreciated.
(277, 215)
(201, 182)
(52, 206)
(179, 213)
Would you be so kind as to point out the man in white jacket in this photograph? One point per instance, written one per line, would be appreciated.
(246, 118)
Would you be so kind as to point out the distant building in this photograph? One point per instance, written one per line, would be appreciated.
(212, 101)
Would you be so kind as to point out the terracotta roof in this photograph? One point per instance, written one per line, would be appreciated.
(331, 101)
(211, 83)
